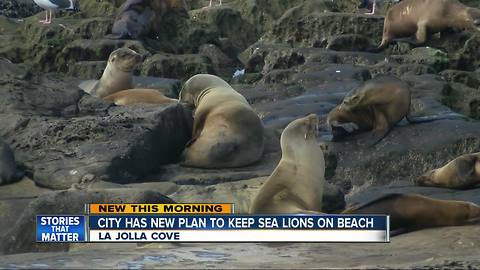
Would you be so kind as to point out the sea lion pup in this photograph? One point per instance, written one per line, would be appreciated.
(135, 96)
(296, 184)
(137, 18)
(117, 76)
(410, 212)
(378, 105)
(227, 132)
(460, 173)
(425, 17)
(8, 167)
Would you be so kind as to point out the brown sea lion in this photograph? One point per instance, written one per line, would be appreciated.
(226, 130)
(135, 96)
(137, 18)
(378, 104)
(296, 184)
(410, 212)
(460, 173)
(117, 76)
(424, 17)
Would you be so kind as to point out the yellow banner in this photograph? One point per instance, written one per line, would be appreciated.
(180, 208)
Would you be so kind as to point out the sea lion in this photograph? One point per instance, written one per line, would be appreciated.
(410, 212)
(378, 105)
(426, 17)
(460, 173)
(227, 132)
(8, 167)
(296, 184)
(137, 18)
(135, 96)
(117, 76)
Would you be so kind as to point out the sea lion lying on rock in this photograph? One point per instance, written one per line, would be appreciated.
(227, 132)
(460, 173)
(137, 18)
(378, 105)
(426, 17)
(410, 212)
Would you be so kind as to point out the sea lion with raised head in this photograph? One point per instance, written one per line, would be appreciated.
(137, 18)
(460, 173)
(296, 184)
(8, 167)
(378, 105)
(410, 212)
(117, 76)
(425, 17)
(227, 132)
(136, 96)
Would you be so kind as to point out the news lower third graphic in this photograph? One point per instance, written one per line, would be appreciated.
(205, 223)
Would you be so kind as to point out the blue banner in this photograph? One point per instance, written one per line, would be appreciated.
(239, 222)
(66, 228)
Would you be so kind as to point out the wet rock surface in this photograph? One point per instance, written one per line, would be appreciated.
(300, 57)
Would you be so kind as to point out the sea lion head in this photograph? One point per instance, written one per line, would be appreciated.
(305, 128)
(426, 179)
(125, 59)
(198, 86)
(339, 124)
(352, 100)
(474, 17)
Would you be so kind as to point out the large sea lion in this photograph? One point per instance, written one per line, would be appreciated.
(410, 212)
(226, 130)
(8, 167)
(296, 184)
(460, 173)
(378, 105)
(137, 18)
(117, 76)
(135, 96)
(425, 17)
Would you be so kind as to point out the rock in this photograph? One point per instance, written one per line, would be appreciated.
(305, 30)
(18, 8)
(229, 23)
(119, 144)
(176, 66)
(349, 42)
(21, 237)
(263, 14)
(437, 59)
(222, 64)
(87, 69)
(470, 79)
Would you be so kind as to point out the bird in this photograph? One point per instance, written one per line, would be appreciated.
(50, 5)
